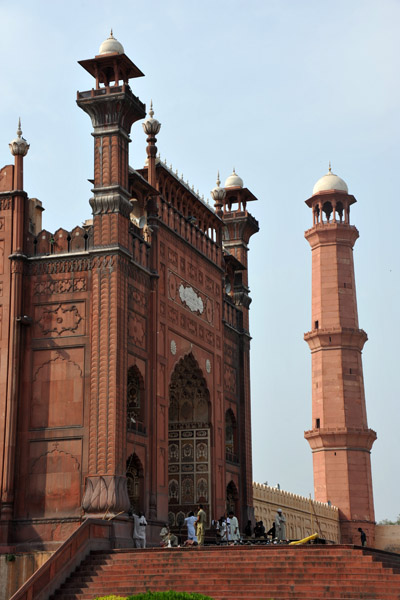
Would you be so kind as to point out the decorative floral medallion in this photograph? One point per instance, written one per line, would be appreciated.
(191, 299)
(173, 347)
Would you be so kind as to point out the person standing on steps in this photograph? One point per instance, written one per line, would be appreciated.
(139, 530)
(280, 526)
(234, 527)
(190, 521)
(201, 523)
(363, 537)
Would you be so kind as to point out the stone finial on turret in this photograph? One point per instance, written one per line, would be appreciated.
(218, 195)
(151, 126)
(19, 146)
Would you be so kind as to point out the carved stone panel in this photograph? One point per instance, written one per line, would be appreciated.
(53, 488)
(60, 319)
(190, 298)
(137, 330)
(229, 379)
(57, 388)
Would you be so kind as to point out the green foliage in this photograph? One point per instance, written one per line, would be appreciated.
(112, 597)
(388, 522)
(170, 595)
(10, 557)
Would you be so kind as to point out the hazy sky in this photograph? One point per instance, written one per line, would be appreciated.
(275, 89)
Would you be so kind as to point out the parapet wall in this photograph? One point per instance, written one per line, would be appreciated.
(303, 515)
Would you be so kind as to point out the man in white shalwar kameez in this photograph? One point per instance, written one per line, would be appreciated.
(234, 528)
(280, 526)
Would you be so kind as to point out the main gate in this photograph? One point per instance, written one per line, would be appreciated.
(189, 460)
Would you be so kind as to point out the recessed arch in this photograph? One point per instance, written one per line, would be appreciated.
(135, 400)
(135, 482)
(189, 460)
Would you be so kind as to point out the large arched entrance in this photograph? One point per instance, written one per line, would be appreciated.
(189, 467)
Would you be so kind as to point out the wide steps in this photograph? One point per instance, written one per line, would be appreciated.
(272, 572)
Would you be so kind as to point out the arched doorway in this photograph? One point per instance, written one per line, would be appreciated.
(189, 467)
(232, 498)
(135, 480)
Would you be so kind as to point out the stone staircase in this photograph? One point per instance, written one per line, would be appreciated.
(263, 572)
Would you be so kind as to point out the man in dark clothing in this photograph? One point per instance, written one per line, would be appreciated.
(271, 532)
(363, 537)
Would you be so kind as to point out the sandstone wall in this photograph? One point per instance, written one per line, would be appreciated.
(14, 573)
(303, 516)
(387, 537)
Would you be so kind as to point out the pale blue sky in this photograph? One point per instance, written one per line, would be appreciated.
(276, 89)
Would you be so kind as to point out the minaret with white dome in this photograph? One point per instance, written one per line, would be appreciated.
(113, 108)
(340, 439)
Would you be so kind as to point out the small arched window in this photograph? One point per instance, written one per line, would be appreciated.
(135, 400)
(230, 437)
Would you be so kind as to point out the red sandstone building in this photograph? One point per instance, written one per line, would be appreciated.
(124, 344)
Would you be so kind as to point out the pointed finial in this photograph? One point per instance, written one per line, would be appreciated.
(176, 172)
(234, 170)
(111, 33)
(151, 126)
(330, 167)
(218, 179)
(19, 146)
(192, 188)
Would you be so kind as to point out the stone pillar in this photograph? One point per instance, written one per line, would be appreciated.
(13, 271)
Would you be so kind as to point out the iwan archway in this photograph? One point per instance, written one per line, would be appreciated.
(189, 460)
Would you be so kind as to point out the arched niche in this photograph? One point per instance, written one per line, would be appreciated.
(189, 460)
(135, 482)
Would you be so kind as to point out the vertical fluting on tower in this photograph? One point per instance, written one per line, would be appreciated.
(113, 109)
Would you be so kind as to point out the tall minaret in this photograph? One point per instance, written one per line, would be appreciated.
(340, 439)
(113, 108)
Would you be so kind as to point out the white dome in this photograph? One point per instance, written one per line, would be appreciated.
(330, 181)
(234, 180)
(111, 45)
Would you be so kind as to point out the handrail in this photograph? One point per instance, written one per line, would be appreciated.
(92, 534)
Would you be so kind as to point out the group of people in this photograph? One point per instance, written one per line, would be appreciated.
(277, 532)
(227, 529)
(195, 527)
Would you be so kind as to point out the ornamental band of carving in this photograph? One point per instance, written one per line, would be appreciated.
(60, 286)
